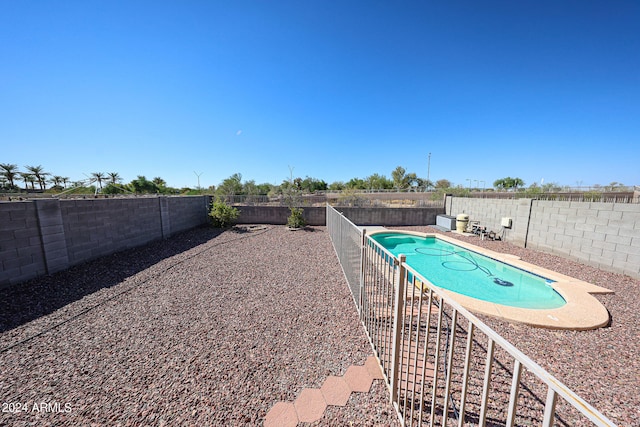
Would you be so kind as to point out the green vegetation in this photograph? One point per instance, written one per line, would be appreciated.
(141, 185)
(295, 219)
(223, 215)
(592, 196)
(36, 179)
(350, 197)
(230, 186)
(9, 173)
(508, 183)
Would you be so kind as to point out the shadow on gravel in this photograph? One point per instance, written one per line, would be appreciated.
(35, 298)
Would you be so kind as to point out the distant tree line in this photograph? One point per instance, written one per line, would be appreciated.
(35, 178)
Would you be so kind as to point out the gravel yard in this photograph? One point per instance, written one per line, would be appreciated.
(602, 366)
(206, 328)
(211, 328)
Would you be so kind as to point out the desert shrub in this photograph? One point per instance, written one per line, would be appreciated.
(350, 197)
(112, 189)
(223, 215)
(592, 196)
(295, 220)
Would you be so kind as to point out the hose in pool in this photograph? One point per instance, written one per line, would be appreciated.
(467, 260)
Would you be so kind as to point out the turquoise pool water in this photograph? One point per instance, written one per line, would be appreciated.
(469, 273)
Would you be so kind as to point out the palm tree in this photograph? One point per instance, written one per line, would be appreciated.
(517, 182)
(23, 177)
(159, 182)
(114, 177)
(56, 180)
(27, 178)
(9, 171)
(98, 176)
(39, 174)
(508, 183)
(403, 180)
(65, 179)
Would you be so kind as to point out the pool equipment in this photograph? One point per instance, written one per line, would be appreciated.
(462, 221)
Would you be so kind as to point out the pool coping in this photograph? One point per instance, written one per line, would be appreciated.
(582, 310)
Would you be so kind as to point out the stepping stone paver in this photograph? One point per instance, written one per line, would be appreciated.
(312, 402)
(358, 378)
(336, 391)
(373, 368)
(310, 405)
(282, 414)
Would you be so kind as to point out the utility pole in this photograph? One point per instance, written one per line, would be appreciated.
(428, 171)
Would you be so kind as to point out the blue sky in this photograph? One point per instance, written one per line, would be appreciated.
(540, 90)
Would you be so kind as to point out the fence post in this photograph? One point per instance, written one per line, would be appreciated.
(398, 325)
(363, 243)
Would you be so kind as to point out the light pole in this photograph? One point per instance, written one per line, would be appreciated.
(477, 183)
(469, 185)
(428, 171)
(482, 186)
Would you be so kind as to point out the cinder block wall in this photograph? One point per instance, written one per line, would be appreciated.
(278, 215)
(21, 255)
(491, 211)
(99, 227)
(186, 211)
(44, 236)
(361, 216)
(605, 235)
(390, 217)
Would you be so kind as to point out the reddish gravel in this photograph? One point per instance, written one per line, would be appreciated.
(602, 366)
(212, 328)
(206, 328)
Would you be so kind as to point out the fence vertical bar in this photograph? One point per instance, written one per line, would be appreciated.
(389, 310)
(449, 370)
(487, 382)
(417, 349)
(549, 408)
(436, 363)
(365, 288)
(465, 375)
(398, 325)
(513, 394)
(363, 241)
(407, 340)
(425, 352)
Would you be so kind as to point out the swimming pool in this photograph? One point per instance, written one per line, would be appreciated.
(469, 273)
(557, 301)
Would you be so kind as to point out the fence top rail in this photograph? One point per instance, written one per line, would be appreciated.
(553, 383)
(344, 218)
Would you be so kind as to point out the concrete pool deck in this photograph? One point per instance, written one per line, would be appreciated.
(582, 310)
